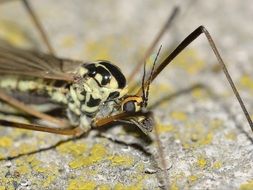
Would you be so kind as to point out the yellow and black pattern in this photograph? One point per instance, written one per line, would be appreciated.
(95, 84)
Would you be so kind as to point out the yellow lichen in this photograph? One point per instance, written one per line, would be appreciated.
(247, 186)
(73, 148)
(40, 169)
(77, 163)
(217, 165)
(199, 94)
(137, 186)
(20, 162)
(164, 128)
(34, 162)
(21, 132)
(194, 136)
(180, 116)
(12, 34)
(104, 187)
(99, 50)
(216, 124)
(161, 89)
(5, 142)
(247, 82)
(174, 186)
(206, 139)
(98, 153)
(75, 184)
(231, 136)
(192, 178)
(118, 160)
(119, 186)
(186, 145)
(23, 148)
(176, 181)
(49, 173)
(8, 183)
(50, 178)
(23, 169)
(202, 162)
(189, 61)
(2, 187)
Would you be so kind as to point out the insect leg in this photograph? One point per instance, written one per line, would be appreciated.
(121, 116)
(62, 131)
(38, 25)
(114, 118)
(148, 52)
(21, 106)
(190, 38)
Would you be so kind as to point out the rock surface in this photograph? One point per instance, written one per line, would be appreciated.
(206, 141)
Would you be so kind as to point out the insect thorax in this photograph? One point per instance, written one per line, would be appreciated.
(97, 85)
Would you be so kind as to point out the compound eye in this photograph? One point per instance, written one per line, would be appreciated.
(129, 106)
(92, 70)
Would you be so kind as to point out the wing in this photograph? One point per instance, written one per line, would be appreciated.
(23, 62)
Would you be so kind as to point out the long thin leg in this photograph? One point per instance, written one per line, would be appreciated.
(61, 131)
(162, 158)
(108, 120)
(39, 27)
(72, 130)
(21, 106)
(165, 27)
(121, 116)
(195, 34)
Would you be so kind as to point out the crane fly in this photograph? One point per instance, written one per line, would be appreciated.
(87, 94)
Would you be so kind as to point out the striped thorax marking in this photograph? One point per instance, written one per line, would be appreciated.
(95, 84)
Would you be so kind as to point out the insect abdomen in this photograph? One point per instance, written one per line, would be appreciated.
(36, 85)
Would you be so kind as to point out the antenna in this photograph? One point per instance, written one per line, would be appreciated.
(145, 94)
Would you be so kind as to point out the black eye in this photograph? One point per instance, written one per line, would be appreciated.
(92, 70)
(129, 106)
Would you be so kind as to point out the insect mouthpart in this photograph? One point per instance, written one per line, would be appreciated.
(144, 120)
